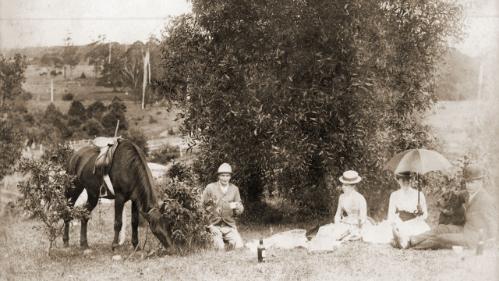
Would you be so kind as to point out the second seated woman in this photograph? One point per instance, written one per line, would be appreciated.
(349, 219)
(407, 212)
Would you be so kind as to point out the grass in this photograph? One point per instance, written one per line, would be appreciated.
(24, 257)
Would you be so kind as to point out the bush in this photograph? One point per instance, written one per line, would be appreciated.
(67, 97)
(58, 154)
(165, 154)
(44, 196)
(181, 172)
(77, 109)
(10, 145)
(83, 76)
(188, 217)
(152, 120)
(96, 109)
(93, 127)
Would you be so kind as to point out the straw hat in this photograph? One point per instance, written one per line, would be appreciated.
(350, 177)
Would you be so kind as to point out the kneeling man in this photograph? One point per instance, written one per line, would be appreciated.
(480, 216)
(226, 204)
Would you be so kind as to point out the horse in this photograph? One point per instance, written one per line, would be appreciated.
(131, 179)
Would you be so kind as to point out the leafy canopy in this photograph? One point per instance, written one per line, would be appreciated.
(294, 92)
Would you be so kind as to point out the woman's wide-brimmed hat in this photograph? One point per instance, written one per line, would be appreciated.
(350, 177)
(403, 175)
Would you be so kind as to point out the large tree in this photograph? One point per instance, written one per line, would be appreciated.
(294, 92)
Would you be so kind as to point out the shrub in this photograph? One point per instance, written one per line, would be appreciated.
(96, 109)
(93, 127)
(44, 196)
(171, 132)
(181, 172)
(83, 76)
(77, 109)
(58, 154)
(10, 145)
(165, 154)
(54, 73)
(187, 216)
(67, 97)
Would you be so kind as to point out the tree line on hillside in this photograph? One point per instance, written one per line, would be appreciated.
(117, 66)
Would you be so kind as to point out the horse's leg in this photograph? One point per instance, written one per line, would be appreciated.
(118, 219)
(135, 225)
(72, 200)
(91, 203)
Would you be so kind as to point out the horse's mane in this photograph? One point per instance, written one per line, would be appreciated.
(135, 159)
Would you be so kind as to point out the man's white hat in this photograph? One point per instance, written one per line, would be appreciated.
(224, 169)
(350, 177)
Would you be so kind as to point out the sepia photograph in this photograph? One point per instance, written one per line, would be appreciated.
(235, 140)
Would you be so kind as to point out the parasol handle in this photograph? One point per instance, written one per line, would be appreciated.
(418, 206)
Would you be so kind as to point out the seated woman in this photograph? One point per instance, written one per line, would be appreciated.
(350, 217)
(406, 215)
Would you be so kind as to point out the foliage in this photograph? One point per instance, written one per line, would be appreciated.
(96, 109)
(181, 172)
(77, 109)
(295, 92)
(93, 127)
(116, 111)
(58, 154)
(67, 97)
(11, 77)
(54, 117)
(10, 145)
(51, 59)
(188, 217)
(137, 136)
(165, 154)
(44, 196)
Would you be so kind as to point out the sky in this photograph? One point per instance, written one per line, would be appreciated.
(29, 23)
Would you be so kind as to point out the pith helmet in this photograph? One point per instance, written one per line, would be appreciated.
(224, 169)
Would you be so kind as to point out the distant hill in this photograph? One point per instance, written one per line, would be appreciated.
(457, 77)
(35, 53)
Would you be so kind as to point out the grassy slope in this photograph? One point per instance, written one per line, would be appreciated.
(25, 258)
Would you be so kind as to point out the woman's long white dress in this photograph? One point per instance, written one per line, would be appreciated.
(345, 228)
(400, 200)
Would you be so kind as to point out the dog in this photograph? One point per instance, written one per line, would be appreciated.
(451, 205)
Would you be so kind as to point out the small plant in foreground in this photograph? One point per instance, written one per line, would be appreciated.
(187, 215)
(44, 196)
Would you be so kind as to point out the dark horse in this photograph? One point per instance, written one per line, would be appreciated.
(131, 179)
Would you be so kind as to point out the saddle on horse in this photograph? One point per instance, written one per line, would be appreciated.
(103, 162)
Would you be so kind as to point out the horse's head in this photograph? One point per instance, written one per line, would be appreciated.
(160, 227)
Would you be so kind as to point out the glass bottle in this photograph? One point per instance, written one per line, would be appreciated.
(261, 251)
